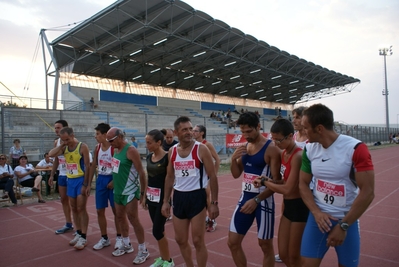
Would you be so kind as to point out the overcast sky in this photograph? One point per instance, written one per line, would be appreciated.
(341, 35)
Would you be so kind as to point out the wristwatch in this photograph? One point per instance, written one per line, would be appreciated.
(262, 181)
(257, 200)
(344, 226)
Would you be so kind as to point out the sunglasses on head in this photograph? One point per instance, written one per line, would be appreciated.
(112, 139)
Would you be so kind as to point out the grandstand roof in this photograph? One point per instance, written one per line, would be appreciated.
(171, 44)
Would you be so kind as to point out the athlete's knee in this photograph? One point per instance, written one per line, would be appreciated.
(181, 241)
(266, 245)
(101, 212)
(157, 233)
(198, 241)
(233, 244)
(64, 200)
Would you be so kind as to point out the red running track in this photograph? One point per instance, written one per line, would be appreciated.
(28, 239)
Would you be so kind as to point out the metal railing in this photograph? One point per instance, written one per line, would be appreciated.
(34, 128)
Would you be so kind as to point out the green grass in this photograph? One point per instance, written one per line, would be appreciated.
(224, 168)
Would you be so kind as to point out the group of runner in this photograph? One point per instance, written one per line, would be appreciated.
(327, 183)
(314, 168)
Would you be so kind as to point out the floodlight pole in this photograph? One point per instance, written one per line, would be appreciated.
(386, 52)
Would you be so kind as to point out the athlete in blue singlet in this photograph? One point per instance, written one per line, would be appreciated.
(258, 157)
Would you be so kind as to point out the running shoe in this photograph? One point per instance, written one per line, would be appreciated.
(123, 250)
(158, 262)
(211, 226)
(102, 244)
(63, 230)
(169, 218)
(74, 240)
(168, 264)
(206, 223)
(141, 257)
(81, 243)
(277, 258)
(118, 242)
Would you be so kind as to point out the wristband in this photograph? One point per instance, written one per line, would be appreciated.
(214, 203)
(85, 185)
(262, 181)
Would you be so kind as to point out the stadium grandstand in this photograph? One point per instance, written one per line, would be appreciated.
(145, 62)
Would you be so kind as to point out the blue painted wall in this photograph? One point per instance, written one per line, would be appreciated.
(127, 98)
(216, 106)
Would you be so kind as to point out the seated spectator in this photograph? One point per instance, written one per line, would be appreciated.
(134, 143)
(219, 116)
(6, 179)
(28, 176)
(45, 164)
(92, 104)
(212, 115)
(228, 115)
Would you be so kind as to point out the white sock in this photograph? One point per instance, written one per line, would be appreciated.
(126, 241)
(142, 247)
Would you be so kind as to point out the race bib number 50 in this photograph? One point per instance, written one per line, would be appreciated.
(247, 183)
(330, 193)
(184, 168)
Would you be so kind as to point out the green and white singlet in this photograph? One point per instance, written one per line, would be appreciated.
(125, 176)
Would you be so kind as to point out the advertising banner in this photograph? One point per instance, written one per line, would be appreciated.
(236, 140)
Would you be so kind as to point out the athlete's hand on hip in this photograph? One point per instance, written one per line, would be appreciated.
(249, 206)
(323, 221)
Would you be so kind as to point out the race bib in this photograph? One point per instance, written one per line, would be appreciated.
(282, 170)
(72, 168)
(247, 183)
(184, 168)
(330, 193)
(153, 194)
(104, 167)
(115, 165)
(62, 162)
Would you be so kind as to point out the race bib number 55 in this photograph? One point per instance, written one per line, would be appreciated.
(184, 168)
(330, 193)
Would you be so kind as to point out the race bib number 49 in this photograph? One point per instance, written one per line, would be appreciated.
(184, 168)
(104, 166)
(330, 193)
(247, 183)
